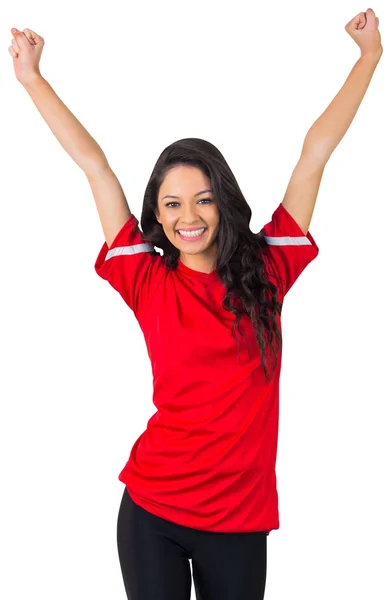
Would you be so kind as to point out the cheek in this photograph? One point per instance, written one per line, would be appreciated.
(165, 218)
(168, 224)
(216, 219)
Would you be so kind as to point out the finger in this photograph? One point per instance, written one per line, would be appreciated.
(29, 36)
(354, 23)
(15, 46)
(12, 52)
(362, 22)
(20, 38)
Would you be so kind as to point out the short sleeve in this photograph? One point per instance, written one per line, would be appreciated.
(289, 250)
(131, 265)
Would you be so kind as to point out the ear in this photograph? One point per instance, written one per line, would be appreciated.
(157, 217)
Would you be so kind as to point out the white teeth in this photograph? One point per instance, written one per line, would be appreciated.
(191, 233)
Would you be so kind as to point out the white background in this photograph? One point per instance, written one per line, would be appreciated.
(251, 77)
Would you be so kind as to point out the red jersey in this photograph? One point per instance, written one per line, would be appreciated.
(207, 458)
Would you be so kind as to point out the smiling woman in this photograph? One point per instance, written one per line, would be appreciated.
(200, 482)
(191, 222)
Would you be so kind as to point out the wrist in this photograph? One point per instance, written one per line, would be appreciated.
(31, 80)
(372, 55)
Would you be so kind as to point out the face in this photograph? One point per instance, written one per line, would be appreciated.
(188, 213)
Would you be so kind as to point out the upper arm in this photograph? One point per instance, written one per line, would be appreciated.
(110, 201)
(131, 266)
(287, 248)
(302, 190)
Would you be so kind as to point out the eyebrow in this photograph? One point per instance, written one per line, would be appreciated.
(197, 194)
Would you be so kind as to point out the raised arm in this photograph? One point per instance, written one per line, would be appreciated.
(109, 197)
(329, 129)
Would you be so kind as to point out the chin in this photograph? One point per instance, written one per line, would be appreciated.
(192, 251)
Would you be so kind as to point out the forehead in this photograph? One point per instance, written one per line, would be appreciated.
(184, 180)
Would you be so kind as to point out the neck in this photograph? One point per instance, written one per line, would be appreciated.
(205, 262)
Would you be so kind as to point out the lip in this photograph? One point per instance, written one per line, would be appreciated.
(190, 228)
(191, 239)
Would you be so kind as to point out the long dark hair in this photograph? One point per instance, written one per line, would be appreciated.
(240, 263)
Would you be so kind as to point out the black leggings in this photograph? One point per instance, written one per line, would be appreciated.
(154, 556)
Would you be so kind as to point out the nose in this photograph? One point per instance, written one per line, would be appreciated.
(190, 215)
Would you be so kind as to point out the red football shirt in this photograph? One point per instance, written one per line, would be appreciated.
(207, 457)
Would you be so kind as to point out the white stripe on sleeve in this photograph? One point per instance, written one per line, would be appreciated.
(287, 241)
(127, 250)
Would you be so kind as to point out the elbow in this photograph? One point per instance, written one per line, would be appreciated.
(317, 151)
(95, 167)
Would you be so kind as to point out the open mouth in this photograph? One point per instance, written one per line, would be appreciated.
(191, 236)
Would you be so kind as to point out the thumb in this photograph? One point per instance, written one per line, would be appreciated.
(372, 21)
(33, 38)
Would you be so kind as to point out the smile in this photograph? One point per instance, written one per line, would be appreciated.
(191, 236)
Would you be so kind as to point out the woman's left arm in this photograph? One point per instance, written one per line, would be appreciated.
(329, 129)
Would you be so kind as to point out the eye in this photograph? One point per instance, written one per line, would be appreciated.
(175, 204)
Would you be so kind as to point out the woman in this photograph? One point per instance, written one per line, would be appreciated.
(200, 482)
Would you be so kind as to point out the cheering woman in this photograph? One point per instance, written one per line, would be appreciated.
(200, 482)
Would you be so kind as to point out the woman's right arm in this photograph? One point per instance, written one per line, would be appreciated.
(109, 197)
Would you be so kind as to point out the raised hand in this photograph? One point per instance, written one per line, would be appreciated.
(26, 52)
(364, 30)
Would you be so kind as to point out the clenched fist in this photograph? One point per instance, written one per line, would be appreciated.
(26, 51)
(364, 30)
